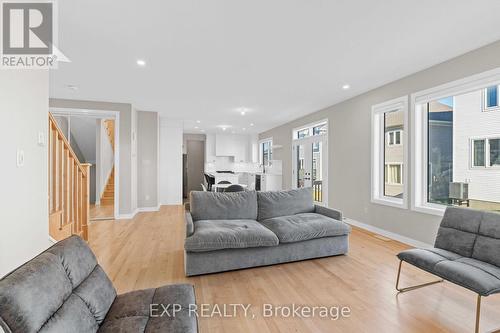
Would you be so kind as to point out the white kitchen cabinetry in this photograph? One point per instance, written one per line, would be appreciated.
(232, 145)
(210, 148)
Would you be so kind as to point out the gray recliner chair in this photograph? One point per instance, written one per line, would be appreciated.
(65, 290)
(466, 252)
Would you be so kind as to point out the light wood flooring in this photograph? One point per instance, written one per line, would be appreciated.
(147, 252)
(102, 212)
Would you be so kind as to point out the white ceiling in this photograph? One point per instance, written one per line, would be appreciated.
(282, 59)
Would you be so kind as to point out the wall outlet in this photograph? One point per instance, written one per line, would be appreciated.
(20, 158)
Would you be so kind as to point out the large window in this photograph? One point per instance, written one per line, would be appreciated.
(457, 146)
(389, 152)
(265, 151)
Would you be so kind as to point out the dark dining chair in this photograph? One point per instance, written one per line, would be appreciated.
(210, 181)
(234, 188)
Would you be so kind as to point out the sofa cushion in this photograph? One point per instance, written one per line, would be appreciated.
(143, 311)
(223, 206)
(60, 289)
(210, 235)
(284, 203)
(301, 227)
(458, 230)
(471, 274)
(426, 259)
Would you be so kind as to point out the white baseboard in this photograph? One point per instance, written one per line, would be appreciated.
(138, 210)
(388, 234)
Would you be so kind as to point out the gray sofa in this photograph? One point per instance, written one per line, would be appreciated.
(228, 231)
(466, 252)
(65, 290)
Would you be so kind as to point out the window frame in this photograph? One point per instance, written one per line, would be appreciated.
(472, 155)
(378, 152)
(419, 156)
(310, 128)
(261, 150)
(485, 107)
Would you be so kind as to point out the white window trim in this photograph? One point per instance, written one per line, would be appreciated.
(485, 102)
(419, 132)
(400, 138)
(377, 152)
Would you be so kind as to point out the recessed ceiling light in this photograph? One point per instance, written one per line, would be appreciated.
(244, 129)
(198, 121)
(242, 113)
(251, 124)
(346, 86)
(196, 127)
(224, 128)
(141, 62)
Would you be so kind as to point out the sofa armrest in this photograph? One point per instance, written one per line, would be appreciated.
(329, 212)
(189, 224)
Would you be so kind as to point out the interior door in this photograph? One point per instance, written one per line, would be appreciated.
(310, 166)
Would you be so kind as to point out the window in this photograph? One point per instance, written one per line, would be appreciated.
(393, 174)
(394, 137)
(491, 98)
(265, 151)
(311, 130)
(457, 145)
(478, 153)
(389, 152)
(494, 145)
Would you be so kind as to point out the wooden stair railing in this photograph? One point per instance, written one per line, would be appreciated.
(69, 182)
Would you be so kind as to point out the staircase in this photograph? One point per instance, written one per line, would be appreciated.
(110, 129)
(68, 188)
(108, 196)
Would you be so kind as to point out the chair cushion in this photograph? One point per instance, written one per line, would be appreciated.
(487, 245)
(284, 203)
(426, 259)
(223, 206)
(472, 274)
(210, 235)
(143, 311)
(458, 230)
(301, 227)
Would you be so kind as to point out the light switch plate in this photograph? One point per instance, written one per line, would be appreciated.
(20, 158)
(41, 139)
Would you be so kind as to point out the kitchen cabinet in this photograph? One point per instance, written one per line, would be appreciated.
(232, 145)
(210, 148)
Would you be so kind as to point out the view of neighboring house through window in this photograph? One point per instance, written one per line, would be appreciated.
(491, 97)
(393, 154)
(463, 150)
(389, 157)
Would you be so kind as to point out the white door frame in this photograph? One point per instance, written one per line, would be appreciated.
(100, 114)
(307, 142)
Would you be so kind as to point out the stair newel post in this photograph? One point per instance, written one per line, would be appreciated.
(86, 200)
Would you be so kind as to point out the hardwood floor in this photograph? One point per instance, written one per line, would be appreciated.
(147, 251)
(101, 212)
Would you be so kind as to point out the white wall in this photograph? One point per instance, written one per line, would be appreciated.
(24, 99)
(469, 121)
(106, 157)
(171, 140)
(147, 159)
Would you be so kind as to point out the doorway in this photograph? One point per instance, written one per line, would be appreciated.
(310, 166)
(194, 166)
(93, 135)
